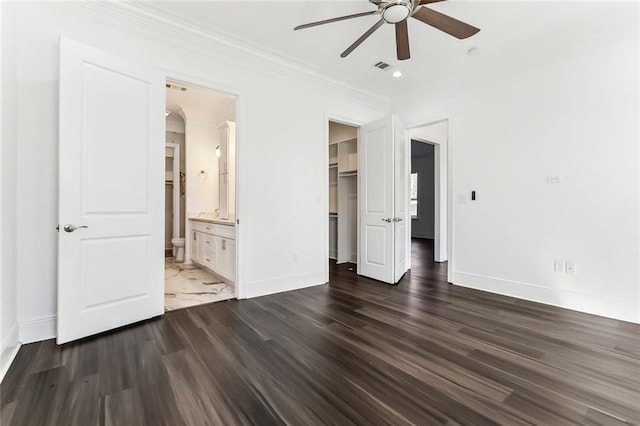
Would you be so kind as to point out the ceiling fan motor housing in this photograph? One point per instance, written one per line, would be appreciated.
(397, 11)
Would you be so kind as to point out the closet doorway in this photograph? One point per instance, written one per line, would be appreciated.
(343, 195)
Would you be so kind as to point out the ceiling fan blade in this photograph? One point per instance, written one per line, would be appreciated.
(362, 38)
(429, 1)
(340, 18)
(402, 41)
(445, 23)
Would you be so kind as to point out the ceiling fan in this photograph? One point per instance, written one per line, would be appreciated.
(397, 12)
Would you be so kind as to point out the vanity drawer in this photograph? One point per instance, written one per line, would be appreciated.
(197, 226)
(209, 258)
(225, 231)
(209, 242)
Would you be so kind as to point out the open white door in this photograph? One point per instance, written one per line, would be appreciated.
(401, 201)
(111, 192)
(383, 183)
(376, 200)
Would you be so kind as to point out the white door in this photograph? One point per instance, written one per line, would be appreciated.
(401, 201)
(383, 236)
(111, 188)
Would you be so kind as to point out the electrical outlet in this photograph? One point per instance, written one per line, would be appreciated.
(570, 268)
(558, 266)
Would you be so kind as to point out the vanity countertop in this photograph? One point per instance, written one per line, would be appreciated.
(209, 219)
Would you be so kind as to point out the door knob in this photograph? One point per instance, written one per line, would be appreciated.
(397, 219)
(388, 220)
(71, 228)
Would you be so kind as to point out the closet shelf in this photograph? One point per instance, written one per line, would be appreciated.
(332, 165)
(343, 141)
(349, 173)
(333, 214)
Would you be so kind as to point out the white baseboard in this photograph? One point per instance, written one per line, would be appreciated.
(610, 307)
(10, 347)
(278, 285)
(38, 329)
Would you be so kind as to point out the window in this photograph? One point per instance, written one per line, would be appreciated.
(414, 195)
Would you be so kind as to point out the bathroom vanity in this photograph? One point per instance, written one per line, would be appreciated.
(213, 245)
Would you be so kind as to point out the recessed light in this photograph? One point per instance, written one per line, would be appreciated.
(397, 74)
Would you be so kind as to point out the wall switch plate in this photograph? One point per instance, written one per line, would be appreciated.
(558, 266)
(570, 268)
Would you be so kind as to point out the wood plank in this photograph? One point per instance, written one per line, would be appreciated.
(352, 352)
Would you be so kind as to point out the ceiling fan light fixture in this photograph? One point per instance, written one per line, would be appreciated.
(396, 12)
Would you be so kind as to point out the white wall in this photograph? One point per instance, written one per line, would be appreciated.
(175, 123)
(8, 284)
(201, 139)
(565, 107)
(281, 144)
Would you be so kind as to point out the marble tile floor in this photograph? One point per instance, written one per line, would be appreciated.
(190, 285)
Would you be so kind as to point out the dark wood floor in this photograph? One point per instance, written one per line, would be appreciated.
(355, 351)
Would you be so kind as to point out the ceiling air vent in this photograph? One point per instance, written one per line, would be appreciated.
(382, 65)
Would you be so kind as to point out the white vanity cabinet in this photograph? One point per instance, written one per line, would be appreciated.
(213, 246)
(225, 256)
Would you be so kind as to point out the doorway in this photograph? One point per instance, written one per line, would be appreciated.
(429, 189)
(200, 196)
(343, 195)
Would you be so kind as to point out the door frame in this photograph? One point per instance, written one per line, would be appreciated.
(206, 83)
(450, 183)
(175, 231)
(336, 118)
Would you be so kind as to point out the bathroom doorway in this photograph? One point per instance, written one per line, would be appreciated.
(200, 193)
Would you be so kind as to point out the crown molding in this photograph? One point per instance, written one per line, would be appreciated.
(193, 114)
(138, 18)
(223, 111)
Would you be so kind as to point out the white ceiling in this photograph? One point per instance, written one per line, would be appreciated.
(203, 100)
(506, 27)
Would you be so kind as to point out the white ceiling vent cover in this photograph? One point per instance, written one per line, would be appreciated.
(382, 65)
